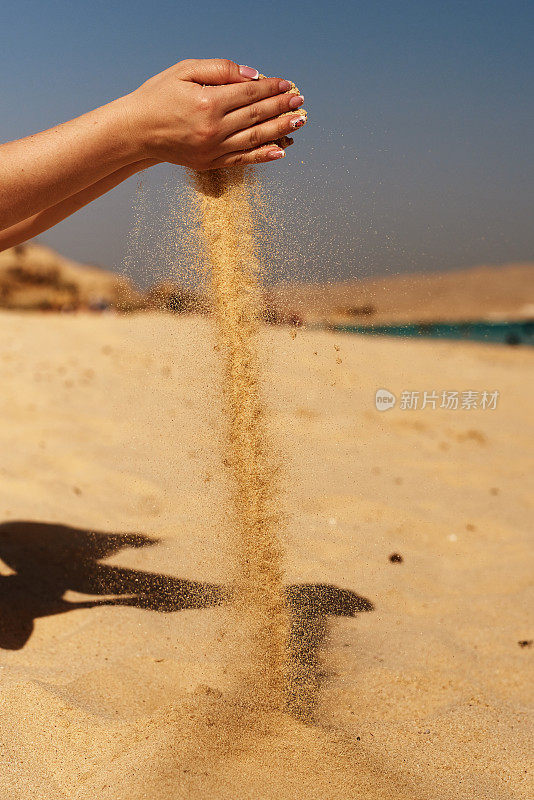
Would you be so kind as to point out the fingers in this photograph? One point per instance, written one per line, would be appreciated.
(265, 133)
(258, 155)
(285, 142)
(215, 71)
(243, 94)
(261, 111)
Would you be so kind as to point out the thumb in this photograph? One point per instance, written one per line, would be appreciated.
(218, 71)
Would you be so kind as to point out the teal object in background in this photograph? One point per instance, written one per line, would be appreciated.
(511, 333)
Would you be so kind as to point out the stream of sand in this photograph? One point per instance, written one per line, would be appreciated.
(227, 225)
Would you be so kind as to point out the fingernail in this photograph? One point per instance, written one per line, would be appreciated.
(298, 122)
(284, 86)
(296, 101)
(277, 153)
(249, 72)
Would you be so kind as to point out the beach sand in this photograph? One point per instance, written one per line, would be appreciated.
(112, 498)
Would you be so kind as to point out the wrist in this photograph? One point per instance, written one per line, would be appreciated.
(130, 130)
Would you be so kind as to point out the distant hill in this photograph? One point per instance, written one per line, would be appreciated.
(33, 276)
(484, 292)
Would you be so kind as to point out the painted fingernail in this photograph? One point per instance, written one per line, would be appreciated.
(298, 122)
(284, 86)
(249, 72)
(296, 101)
(276, 153)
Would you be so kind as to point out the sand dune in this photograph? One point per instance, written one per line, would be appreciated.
(115, 646)
(485, 292)
(33, 276)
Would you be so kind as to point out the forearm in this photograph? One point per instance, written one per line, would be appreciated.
(202, 114)
(38, 223)
(43, 170)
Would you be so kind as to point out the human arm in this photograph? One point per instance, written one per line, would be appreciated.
(201, 114)
(42, 221)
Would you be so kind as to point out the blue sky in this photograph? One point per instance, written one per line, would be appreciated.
(418, 154)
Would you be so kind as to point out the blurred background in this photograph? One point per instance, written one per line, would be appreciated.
(418, 157)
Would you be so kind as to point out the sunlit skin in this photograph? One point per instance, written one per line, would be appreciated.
(202, 114)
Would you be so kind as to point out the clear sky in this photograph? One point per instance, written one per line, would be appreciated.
(418, 155)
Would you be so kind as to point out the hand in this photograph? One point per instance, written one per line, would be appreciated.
(211, 113)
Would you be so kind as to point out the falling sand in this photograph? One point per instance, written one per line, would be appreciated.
(259, 601)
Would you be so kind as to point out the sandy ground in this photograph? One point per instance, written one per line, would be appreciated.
(114, 651)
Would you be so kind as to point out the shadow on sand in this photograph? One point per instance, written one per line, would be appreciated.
(46, 560)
